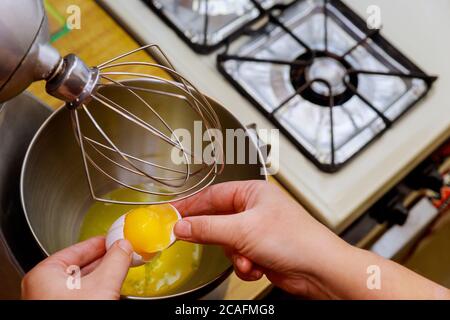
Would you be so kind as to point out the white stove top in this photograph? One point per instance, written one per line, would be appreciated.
(417, 28)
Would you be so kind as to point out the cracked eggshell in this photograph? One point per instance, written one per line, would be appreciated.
(116, 233)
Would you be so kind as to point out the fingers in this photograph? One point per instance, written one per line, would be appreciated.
(229, 197)
(246, 269)
(242, 264)
(254, 275)
(113, 268)
(243, 267)
(90, 267)
(222, 229)
(80, 254)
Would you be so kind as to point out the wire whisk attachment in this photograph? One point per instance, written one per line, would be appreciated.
(140, 125)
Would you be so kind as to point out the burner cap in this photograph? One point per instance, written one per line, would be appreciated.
(330, 70)
(325, 67)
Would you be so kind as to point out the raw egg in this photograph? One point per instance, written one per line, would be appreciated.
(149, 230)
(162, 275)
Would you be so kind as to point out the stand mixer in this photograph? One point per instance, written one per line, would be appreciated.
(44, 194)
(27, 57)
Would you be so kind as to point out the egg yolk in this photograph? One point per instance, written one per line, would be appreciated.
(165, 273)
(149, 228)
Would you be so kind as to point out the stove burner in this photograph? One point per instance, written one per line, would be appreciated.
(205, 25)
(312, 56)
(327, 70)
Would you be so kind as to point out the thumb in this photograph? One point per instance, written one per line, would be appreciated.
(218, 229)
(114, 266)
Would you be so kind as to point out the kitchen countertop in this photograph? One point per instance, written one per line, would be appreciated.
(99, 39)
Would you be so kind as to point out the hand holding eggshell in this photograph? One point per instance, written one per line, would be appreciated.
(149, 230)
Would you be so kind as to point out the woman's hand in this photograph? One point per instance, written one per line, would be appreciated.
(264, 232)
(100, 277)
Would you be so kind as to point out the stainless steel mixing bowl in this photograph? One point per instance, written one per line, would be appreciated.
(55, 194)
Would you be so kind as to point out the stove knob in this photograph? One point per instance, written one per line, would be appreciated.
(398, 214)
(434, 181)
(430, 179)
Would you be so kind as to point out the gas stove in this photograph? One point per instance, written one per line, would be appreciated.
(310, 62)
(338, 90)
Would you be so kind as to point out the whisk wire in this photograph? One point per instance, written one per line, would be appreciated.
(93, 142)
(214, 119)
(172, 183)
(170, 70)
(199, 186)
(172, 132)
(113, 106)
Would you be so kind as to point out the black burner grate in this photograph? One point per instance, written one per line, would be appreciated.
(308, 87)
(304, 84)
